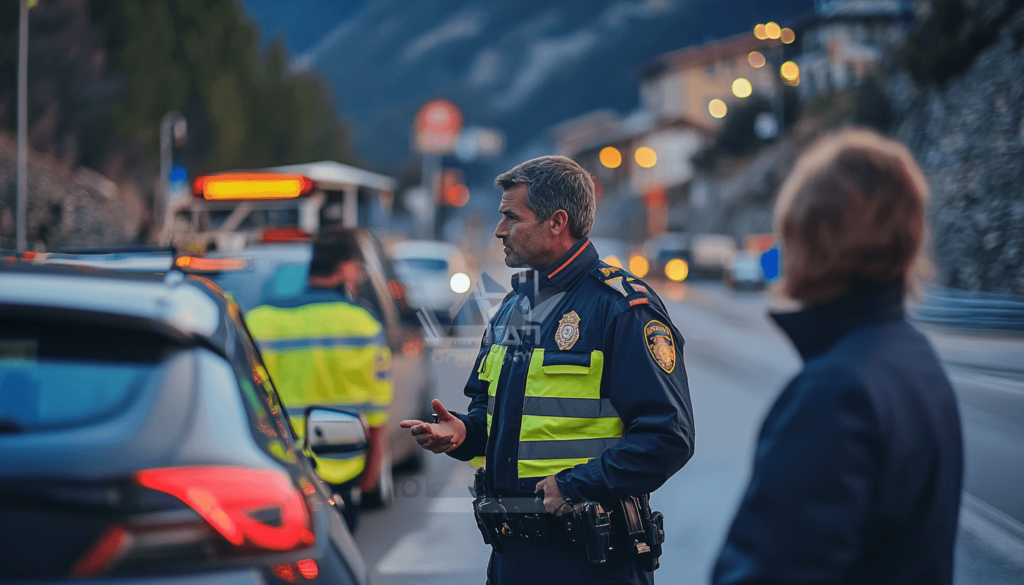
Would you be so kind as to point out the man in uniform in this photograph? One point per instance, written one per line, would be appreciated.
(579, 393)
(323, 349)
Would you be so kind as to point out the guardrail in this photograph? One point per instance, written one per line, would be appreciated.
(969, 309)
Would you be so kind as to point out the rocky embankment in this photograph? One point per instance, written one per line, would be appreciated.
(969, 138)
(67, 207)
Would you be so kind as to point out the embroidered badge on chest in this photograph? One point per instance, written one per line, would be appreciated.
(659, 342)
(568, 331)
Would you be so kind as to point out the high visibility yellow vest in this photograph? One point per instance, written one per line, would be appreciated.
(565, 422)
(330, 354)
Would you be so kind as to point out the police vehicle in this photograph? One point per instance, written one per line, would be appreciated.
(141, 438)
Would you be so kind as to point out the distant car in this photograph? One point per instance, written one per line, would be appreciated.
(435, 274)
(141, 438)
(711, 254)
(745, 272)
(670, 247)
(280, 271)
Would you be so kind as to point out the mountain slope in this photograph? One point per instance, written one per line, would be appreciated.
(520, 66)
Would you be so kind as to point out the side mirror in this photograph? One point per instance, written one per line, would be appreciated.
(336, 431)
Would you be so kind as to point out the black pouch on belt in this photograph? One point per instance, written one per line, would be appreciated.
(595, 528)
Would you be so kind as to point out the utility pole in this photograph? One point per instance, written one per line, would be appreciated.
(173, 130)
(21, 206)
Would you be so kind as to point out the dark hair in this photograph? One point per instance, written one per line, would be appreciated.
(332, 247)
(553, 183)
(852, 209)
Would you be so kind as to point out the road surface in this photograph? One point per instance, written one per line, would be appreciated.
(737, 362)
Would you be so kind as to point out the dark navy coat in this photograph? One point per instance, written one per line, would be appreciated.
(859, 463)
(652, 401)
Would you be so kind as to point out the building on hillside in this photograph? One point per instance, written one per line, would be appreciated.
(847, 40)
(682, 84)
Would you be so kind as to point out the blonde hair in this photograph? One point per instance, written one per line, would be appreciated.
(852, 208)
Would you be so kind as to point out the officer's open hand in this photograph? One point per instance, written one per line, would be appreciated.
(554, 503)
(440, 437)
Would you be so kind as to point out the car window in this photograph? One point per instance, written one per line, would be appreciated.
(287, 282)
(271, 428)
(421, 264)
(58, 375)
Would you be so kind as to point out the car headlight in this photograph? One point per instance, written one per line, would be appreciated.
(677, 270)
(459, 282)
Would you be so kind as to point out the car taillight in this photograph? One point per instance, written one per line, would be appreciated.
(231, 511)
(228, 498)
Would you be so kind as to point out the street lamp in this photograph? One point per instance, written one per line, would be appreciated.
(172, 126)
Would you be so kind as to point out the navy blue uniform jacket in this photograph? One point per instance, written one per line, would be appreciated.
(859, 463)
(654, 404)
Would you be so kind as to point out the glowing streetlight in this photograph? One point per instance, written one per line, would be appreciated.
(646, 157)
(789, 71)
(773, 30)
(756, 59)
(741, 88)
(760, 33)
(610, 157)
(788, 36)
(717, 108)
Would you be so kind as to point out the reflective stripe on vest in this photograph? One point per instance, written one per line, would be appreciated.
(565, 421)
(331, 353)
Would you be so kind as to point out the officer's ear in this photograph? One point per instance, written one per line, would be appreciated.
(558, 222)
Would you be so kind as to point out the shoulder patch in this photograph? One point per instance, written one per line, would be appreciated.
(616, 283)
(658, 337)
(639, 301)
(638, 287)
(608, 270)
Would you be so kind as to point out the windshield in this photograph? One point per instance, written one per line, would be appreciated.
(60, 376)
(408, 268)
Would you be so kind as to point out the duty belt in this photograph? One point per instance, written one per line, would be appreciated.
(628, 525)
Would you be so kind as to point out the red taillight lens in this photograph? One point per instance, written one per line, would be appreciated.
(106, 550)
(228, 497)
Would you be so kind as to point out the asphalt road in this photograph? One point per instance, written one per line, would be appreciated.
(736, 362)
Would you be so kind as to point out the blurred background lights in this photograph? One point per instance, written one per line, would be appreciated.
(646, 157)
(773, 30)
(638, 265)
(790, 71)
(677, 270)
(459, 283)
(741, 88)
(756, 59)
(717, 108)
(610, 157)
(760, 33)
(788, 36)
(613, 260)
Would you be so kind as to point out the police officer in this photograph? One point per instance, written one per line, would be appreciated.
(322, 348)
(579, 392)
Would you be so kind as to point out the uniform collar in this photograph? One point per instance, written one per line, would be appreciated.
(573, 265)
(818, 327)
(538, 285)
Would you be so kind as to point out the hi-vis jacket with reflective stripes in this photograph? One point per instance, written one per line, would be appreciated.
(321, 349)
(580, 375)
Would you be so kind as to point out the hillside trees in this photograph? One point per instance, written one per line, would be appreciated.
(102, 73)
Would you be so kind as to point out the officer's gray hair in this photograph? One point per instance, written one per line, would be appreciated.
(553, 183)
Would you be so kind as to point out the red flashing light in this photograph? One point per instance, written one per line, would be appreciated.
(106, 550)
(284, 235)
(308, 568)
(248, 186)
(224, 497)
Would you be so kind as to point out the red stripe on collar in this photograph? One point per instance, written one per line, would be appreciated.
(569, 261)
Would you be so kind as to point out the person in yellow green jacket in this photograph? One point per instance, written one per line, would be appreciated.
(322, 348)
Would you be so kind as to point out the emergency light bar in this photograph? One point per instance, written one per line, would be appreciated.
(249, 186)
